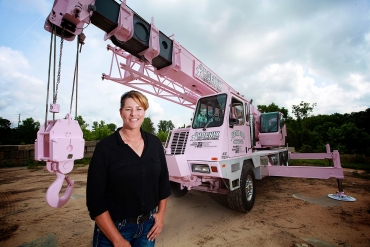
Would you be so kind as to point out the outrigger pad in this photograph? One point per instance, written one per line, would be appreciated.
(340, 196)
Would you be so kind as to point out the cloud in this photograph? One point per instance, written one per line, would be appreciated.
(11, 61)
(19, 87)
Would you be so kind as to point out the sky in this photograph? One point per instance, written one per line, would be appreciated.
(282, 51)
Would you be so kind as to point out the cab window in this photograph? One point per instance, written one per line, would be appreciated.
(210, 112)
(236, 115)
(269, 122)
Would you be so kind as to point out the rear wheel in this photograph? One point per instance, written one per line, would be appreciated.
(176, 189)
(242, 199)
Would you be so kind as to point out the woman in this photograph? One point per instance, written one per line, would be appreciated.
(128, 183)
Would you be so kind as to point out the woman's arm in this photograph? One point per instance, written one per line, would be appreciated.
(105, 223)
(158, 220)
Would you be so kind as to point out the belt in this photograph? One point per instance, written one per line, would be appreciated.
(139, 220)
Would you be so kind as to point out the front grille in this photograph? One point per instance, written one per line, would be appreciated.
(178, 143)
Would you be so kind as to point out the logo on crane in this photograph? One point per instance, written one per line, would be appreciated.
(237, 133)
(198, 136)
(202, 73)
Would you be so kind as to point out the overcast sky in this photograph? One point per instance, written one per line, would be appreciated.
(270, 51)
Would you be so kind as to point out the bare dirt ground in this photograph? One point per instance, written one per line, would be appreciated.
(279, 217)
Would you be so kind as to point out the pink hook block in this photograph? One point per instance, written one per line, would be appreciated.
(59, 143)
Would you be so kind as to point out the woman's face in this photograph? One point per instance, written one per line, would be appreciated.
(132, 114)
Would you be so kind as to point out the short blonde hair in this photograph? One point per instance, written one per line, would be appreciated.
(137, 97)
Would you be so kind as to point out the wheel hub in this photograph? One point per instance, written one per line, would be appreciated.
(249, 188)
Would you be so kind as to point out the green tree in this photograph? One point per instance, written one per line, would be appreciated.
(298, 133)
(361, 119)
(303, 110)
(86, 132)
(5, 131)
(82, 122)
(273, 108)
(27, 131)
(148, 125)
(165, 126)
(162, 135)
(5, 123)
(322, 131)
(100, 130)
(112, 127)
(349, 139)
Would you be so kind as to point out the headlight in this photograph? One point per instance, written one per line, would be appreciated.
(201, 168)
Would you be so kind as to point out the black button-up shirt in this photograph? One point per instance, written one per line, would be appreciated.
(122, 182)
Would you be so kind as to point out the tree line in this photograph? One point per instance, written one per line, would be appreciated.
(26, 132)
(348, 133)
(99, 130)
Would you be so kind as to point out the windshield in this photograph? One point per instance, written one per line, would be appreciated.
(210, 112)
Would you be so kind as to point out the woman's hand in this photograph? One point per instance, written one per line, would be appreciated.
(158, 221)
(105, 223)
(157, 227)
(123, 243)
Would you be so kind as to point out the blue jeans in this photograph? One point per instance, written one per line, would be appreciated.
(136, 234)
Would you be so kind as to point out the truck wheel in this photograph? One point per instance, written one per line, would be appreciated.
(242, 199)
(176, 189)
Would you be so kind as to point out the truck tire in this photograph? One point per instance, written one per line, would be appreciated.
(242, 199)
(176, 189)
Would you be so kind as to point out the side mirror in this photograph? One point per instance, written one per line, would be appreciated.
(232, 122)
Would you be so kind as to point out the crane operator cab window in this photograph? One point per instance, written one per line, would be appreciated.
(210, 112)
(269, 122)
(236, 115)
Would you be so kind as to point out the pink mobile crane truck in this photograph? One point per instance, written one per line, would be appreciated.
(229, 143)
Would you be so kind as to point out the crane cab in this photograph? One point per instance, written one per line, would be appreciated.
(220, 128)
(272, 132)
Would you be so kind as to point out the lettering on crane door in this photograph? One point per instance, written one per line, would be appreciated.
(237, 133)
(202, 73)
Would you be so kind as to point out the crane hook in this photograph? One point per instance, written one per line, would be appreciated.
(52, 194)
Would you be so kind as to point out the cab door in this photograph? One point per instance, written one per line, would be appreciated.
(238, 133)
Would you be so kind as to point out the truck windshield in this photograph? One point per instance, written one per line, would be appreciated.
(210, 112)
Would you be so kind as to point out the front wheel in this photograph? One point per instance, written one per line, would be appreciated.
(242, 199)
(176, 189)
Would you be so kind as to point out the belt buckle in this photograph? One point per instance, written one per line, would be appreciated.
(138, 219)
